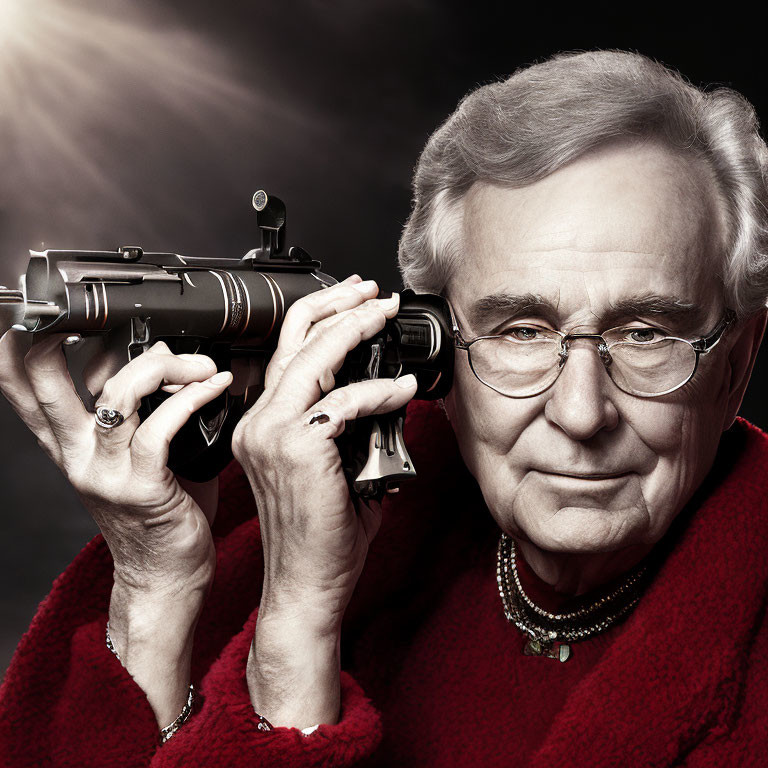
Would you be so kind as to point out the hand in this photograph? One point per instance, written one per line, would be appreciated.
(159, 536)
(315, 538)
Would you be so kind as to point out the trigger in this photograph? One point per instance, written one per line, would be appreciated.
(388, 460)
(140, 335)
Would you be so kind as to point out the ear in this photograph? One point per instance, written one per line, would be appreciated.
(742, 359)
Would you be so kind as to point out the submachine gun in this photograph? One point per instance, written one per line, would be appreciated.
(231, 310)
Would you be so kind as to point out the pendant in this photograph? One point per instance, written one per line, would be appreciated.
(548, 648)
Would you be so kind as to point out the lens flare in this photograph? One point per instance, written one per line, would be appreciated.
(110, 114)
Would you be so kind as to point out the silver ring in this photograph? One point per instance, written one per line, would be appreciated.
(109, 418)
(319, 418)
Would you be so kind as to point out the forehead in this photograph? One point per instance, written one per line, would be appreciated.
(622, 222)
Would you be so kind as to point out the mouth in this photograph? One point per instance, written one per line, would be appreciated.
(584, 475)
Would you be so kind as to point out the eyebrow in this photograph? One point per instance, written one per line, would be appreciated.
(685, 314)
(507, 306)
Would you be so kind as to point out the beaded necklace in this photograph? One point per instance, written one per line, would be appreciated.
(549, 634)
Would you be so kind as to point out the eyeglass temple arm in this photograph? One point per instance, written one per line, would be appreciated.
(708, 343)
(458, 339)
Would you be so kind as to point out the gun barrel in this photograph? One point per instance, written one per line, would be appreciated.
(10, 296)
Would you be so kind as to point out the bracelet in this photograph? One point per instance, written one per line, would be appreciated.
(169, 730)
(265, 725)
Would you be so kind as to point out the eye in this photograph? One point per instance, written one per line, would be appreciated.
(644, 335)
(524, 333)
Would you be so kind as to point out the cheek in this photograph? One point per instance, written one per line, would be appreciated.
(683, 427)
(680, 438)
(487, 425)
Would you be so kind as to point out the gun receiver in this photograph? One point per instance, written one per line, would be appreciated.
(231, 310)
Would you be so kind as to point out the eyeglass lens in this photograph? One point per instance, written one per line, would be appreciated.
(523, 368)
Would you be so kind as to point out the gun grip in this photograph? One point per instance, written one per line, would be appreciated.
(388, 462)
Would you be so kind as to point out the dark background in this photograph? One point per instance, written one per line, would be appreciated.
(154, 122)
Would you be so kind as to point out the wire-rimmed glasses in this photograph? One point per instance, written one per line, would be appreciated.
(643, 361)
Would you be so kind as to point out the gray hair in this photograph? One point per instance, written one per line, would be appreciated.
(515, 132)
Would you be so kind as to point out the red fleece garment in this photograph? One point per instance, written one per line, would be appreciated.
(433, 673)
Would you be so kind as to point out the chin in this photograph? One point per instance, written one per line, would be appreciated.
(560, 514)
(583, 530)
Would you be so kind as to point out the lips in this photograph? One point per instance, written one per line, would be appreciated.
(584, 475)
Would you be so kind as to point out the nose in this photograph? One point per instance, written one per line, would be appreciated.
(581, 400)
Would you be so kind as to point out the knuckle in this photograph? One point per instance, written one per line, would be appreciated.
(240, 443)
(160, 348)
(108, 390)
(264, 438)
(111, 390)
(251, 432)
(251, 438)
(341, 399)
(238, 433)
(198, 361)
(370, 317)
(154, 365)
(300, 311)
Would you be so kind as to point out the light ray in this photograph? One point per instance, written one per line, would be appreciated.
(108, 112)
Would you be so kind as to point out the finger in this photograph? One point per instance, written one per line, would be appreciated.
(300, 385)
(328, 323)
(142, 376)
(363, 398)
(145, 374)
(149, 446)
(327, 380)
(15, 386)
(46, 369)
(102, 366)
(174, 388)
(309, 310)
(321, 304)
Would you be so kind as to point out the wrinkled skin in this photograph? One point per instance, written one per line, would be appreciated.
(628, 221)
(157, 526)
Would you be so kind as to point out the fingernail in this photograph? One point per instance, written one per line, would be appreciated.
(173, 388)
(391, 302)
(406, 382)
(367, 286)
(223, 377)
(198, 359)
(71, 339)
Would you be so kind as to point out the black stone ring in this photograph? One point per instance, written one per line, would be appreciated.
(107, 417)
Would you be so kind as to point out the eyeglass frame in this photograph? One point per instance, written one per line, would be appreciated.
(701, 346)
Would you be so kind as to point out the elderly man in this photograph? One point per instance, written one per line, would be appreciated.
(578, 575)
